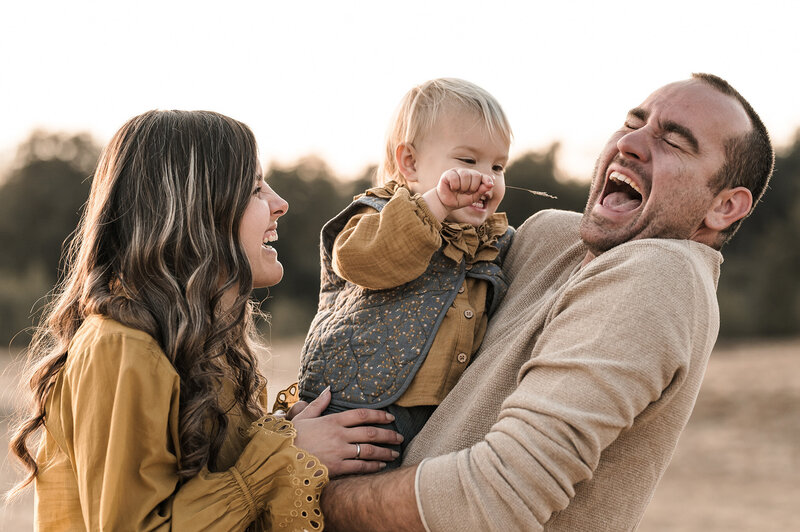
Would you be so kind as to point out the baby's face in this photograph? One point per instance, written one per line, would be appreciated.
(460, 139)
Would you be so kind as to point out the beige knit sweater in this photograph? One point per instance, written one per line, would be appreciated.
(571, 411)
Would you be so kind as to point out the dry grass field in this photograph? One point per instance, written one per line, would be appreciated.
(737, 467)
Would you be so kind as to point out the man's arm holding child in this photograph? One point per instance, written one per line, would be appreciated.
(384, 501)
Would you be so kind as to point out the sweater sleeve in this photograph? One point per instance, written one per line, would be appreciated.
(113, 413)
(603, 357)
(380, 250)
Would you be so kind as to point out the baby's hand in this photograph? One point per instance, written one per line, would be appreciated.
(459, 187)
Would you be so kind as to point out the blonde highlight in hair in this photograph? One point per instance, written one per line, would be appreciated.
(156, 249)
(422, 106)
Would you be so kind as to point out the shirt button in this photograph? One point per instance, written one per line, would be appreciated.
(462, 357)
(468, 314)
(461, 289)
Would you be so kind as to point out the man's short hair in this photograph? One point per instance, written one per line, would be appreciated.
(749, 158)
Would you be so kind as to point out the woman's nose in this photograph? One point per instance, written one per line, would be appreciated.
(278, 206)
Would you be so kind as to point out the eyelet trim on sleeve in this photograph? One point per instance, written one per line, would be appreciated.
(306, 477)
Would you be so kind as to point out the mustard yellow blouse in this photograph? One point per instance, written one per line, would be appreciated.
(380, 250)
(109, 454)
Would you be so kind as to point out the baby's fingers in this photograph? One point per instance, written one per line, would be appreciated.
(486, 184)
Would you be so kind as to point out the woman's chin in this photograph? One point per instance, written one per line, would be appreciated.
(269, 276)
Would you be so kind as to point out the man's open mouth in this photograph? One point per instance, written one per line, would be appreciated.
(620, 193)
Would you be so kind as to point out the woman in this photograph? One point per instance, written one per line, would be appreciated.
(146, 381)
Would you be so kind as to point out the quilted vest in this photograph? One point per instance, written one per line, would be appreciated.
(367, 345)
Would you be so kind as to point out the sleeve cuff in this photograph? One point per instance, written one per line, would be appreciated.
(416, 494)
(280, 479)
(424, 212)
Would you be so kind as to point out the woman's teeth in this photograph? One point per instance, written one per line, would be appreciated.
(271, 236)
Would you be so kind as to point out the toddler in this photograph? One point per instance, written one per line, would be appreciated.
(412, 269)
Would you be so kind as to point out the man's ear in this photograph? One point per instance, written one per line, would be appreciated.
(406, 159)
(729, 206)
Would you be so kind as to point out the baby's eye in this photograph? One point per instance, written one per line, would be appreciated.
(466, 160)
(498, 168)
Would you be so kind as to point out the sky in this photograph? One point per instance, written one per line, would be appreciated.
(323, 77)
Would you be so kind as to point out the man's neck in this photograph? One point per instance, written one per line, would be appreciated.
(587, 259)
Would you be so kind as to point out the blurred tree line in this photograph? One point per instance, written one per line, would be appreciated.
(42, 193)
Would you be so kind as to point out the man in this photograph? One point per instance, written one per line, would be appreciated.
(590, 369)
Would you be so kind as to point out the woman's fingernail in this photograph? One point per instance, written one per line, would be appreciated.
(382, 465)
(395, 454)
(326, 390)
(389, 417)
(399, 437)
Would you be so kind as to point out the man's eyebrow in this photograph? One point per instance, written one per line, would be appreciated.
(670, 127)
(673, 127)
(638, 112)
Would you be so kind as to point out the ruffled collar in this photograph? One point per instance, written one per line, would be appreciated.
(461, 240)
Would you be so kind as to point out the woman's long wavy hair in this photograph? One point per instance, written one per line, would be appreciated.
(157, 249)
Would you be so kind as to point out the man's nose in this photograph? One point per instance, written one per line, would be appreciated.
(635, 145)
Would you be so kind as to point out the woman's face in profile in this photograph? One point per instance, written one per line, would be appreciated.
(259, 228)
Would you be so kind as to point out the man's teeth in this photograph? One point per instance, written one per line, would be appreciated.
(620, 178)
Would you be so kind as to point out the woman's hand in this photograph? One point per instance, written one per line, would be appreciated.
(340, 440)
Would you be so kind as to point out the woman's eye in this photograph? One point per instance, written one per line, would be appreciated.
(257, 191)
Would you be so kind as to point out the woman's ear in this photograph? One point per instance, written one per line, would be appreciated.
(406, 159)
(730, 205)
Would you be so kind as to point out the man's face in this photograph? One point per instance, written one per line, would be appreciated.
(652, 178)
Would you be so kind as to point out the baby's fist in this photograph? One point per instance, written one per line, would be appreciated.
(459, 187)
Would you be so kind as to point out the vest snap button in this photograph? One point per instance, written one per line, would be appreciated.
(461, 289)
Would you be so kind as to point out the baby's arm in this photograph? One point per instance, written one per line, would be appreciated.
(381, 250)
(457, 187)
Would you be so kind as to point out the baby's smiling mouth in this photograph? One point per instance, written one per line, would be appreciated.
(481, 203)
(621, 193)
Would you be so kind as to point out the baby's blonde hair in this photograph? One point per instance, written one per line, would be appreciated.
(420, 108)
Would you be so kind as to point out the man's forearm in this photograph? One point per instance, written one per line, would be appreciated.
(384, 502)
